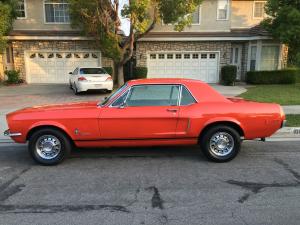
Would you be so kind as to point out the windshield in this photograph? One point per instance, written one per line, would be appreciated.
(84, 71)
(114, 94)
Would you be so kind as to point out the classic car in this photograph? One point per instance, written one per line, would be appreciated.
(147, 112)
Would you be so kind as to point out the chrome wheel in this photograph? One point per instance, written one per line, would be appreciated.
(221, 144)
(48, 147)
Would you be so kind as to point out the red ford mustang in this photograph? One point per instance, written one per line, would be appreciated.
(150, 112)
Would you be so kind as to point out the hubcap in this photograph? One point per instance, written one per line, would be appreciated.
(221, 144)
(48, 147)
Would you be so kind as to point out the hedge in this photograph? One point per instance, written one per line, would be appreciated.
(287, 76)
(109, 70)
(13, 77)
(140, 72)
(228, 74)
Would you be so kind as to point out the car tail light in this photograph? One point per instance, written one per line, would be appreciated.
(108, 79)
(82, 79)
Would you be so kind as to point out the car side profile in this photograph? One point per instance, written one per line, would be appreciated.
(148, 112)
(83, 79)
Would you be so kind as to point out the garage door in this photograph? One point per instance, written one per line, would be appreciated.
(195, 65)
(54, 67)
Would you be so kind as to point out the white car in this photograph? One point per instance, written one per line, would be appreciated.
(90, 78)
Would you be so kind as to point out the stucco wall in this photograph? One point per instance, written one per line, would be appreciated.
(19, 47)
(242, 14)
(35, 18)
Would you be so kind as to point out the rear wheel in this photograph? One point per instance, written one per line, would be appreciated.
(49, 146)
(220, 143)
(75, 90)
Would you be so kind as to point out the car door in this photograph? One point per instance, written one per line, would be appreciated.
(143, 112)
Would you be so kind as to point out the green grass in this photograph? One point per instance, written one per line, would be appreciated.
(293, 120)
(281, 94)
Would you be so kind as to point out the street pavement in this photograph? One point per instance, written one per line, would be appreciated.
(149, 186)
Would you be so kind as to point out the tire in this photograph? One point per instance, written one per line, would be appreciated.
(49, 138)
(75, 90)
(229, 140)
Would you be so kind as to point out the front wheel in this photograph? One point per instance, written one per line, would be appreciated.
(220, 143)
(49, 146)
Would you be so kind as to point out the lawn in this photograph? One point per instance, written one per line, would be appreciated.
(293, 120)
(281, 94)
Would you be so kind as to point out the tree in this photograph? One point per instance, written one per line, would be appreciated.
(7, 15)
(284, 25)
(101, 19)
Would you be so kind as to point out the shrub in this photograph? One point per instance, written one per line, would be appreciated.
(109, 70)
(13, 77)
(140, 72)
(286, 76)
(228, 74)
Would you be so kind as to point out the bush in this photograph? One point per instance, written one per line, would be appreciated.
(287, 76)
(109, 70)
(228, 74)
(13, 77)
(140, 72)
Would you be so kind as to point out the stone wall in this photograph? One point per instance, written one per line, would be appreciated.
(19, 47)
(284, 56)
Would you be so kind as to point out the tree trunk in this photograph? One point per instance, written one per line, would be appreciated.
(118, 73)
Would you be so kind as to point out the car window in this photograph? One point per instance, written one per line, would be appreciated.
(84, 71)
(186, 97)
(75, 71)
(153, 95)
(114, 94)
(120, 100)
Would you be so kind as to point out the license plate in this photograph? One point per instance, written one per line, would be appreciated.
(98, 85)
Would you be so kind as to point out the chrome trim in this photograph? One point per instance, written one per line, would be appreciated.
(8, 133)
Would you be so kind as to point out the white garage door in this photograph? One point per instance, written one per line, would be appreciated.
(195, 65)
(54, 67)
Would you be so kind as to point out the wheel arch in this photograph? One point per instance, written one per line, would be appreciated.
(37, 127)
(231, 123)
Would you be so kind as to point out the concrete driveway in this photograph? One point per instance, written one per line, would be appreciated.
(17, 97)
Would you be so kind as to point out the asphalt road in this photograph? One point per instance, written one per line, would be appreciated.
(153, 186)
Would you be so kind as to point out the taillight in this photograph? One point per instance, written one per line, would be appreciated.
(108, 79)
(82, 79)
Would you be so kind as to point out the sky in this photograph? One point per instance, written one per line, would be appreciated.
(125, 22)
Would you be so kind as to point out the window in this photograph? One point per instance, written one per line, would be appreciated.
(84, 71)
(269, 58)
(186, 97)
(152, 56)
(121, 100)
(178, 56)
(195, 56)
(153, 95)
(259, 9)
(196, 16)
(223, 10)
(56, 11)
(169, 56)
(21, 9)
(161, 56)
(253, 58)
(203, 56)
(212, 56)
(187, 56)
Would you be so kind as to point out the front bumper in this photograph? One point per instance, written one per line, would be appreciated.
(9, 134)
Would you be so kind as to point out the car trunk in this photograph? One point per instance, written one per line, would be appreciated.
(96, 77)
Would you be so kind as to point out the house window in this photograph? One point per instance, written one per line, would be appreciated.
(152, 56)
(196, 16)
(21, 9)
(169, 56)
(56, 11)
(161, 56)
(223, 10)
(178, 56)
(253, 58)
(187, 56)
(259, 9)
(269, 58)
(195, 56)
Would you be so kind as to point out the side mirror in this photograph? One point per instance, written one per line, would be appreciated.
(71, 73)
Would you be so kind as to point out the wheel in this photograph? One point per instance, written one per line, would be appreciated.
(75, 90)
(220, 143)
(49, 146)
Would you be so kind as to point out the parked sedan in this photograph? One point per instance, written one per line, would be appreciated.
(150, 112)
(83, 79)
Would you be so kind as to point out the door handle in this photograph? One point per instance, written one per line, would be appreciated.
(172, 110)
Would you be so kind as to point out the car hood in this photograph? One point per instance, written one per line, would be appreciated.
(58, 107)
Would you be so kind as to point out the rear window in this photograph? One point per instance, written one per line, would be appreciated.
(84, 71)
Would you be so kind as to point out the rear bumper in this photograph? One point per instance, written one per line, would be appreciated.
(105, 85)
(7, 133)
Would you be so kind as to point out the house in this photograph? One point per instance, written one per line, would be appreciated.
(44, 47)
(223, 32)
